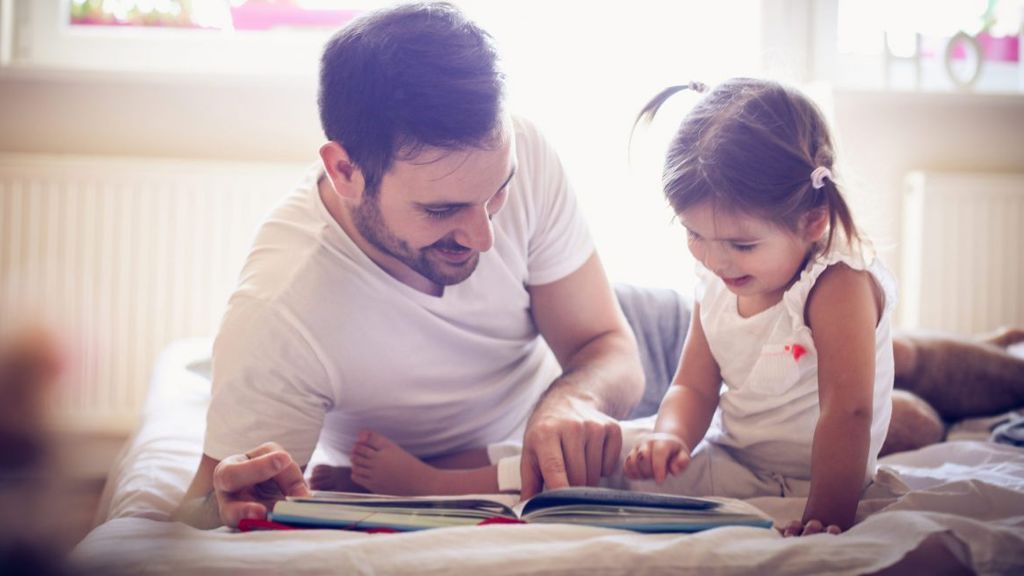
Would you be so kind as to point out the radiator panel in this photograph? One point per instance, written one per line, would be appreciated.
(963, 250)
(123, 256)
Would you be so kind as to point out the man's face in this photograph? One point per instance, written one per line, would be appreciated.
(432, 213)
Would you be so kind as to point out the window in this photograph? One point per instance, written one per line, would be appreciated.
(278, 37)
(212, 14)
(930, 44)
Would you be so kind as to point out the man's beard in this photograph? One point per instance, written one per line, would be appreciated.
(370, 223)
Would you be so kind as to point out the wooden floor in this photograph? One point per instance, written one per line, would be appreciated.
(50, 506)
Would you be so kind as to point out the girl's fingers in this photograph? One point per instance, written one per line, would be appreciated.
(660, 455)
(679, 463)
(628, 468)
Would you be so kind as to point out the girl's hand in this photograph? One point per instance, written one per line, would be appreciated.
(657, 455)
(798, 528)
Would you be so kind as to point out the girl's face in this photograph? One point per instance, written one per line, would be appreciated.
(756, 258)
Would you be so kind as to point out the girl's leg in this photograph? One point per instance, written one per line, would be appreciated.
(383, 467)
(335, 478)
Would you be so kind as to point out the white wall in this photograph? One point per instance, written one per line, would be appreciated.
(883, 136)
(244, 117)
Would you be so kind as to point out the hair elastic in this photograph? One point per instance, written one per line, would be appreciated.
(819, 175)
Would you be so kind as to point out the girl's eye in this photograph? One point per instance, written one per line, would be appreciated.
(744, 247)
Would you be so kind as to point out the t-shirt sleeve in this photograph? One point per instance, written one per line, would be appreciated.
(268, 385)
(559, 241)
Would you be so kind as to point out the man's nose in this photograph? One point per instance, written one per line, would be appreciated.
(476, 231)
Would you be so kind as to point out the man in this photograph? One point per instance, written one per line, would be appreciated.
(417, 286)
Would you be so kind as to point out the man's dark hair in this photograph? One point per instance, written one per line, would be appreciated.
(408, 77)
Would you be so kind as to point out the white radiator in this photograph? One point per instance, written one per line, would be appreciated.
(963, 251)
(123, 256)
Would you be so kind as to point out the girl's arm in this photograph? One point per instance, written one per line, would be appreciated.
(843, 309)
(685, 412)
(690, 402)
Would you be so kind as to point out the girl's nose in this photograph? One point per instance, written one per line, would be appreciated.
(713, 257)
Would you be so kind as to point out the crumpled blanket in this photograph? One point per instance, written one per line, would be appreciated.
(1010, 432)
(660, 318)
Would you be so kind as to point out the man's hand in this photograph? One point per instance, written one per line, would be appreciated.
(247, 485)
(568, 442)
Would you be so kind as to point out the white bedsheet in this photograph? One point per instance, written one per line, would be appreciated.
(964, 504)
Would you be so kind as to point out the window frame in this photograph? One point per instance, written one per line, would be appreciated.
(870, 72)
(35, 41)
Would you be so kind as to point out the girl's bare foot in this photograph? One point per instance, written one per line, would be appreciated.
(383, 467)
(337, 478)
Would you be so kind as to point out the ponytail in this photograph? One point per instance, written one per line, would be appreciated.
(839, 213)
(651, 108)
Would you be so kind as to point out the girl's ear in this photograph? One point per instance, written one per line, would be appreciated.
(814, 224)
(345, 176)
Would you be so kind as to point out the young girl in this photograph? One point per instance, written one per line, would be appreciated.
(792, 314)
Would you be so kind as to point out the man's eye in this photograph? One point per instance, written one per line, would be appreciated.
(439, 212)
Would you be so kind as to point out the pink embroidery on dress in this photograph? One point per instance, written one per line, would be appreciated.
(797, 351)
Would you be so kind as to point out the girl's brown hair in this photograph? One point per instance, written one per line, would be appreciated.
(750, 146)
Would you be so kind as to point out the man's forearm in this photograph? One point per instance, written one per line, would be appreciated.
(606, 372)
(199, 512)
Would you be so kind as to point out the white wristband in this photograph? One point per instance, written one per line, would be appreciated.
(509, 477)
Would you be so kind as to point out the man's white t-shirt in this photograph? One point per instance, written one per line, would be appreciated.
(319, 343)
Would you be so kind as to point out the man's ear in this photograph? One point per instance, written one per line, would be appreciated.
(815, 223)
(344, 175)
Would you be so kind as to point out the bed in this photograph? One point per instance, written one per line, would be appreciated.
(962, 512)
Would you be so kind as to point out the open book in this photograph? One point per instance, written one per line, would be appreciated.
(604, 507)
